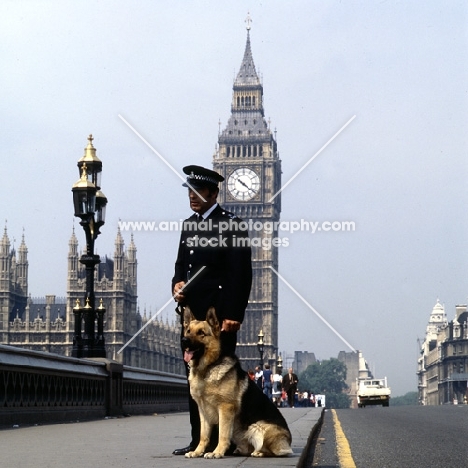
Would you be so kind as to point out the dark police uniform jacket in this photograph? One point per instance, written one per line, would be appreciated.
(226, 280)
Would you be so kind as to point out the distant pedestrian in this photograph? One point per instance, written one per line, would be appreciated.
(312, 400)
(267, 381)
(259, 377)
(290, 381)
(276, 390)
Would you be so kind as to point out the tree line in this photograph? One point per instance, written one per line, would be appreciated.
(328, 378)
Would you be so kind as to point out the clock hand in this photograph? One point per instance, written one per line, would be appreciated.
(243, 183)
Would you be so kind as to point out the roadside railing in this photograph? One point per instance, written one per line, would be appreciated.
(37, 388)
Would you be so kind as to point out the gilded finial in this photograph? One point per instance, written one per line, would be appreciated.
(90, 139)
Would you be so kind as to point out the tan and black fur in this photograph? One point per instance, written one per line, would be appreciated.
(226, 396)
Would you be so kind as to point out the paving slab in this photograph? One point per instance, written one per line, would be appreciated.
(136, 441)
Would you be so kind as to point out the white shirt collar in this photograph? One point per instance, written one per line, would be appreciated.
(208, 212)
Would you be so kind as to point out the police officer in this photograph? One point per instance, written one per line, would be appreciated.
(213, 267)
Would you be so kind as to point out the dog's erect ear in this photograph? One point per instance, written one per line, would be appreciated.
(212, 319)
(188, 316)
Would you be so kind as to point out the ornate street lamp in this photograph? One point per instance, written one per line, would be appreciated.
(93, 164)
(90, 206)
(279, 365)
(260, 346)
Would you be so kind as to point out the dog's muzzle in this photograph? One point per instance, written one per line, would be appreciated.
(187, 347)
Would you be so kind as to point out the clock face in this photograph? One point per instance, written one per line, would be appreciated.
(243, 184)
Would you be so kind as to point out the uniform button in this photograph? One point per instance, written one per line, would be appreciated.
(220, 287)
(190, 266)
(191, 252)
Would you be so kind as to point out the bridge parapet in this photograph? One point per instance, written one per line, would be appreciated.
(38, 387)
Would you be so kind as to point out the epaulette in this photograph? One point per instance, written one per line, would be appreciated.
(230, 215)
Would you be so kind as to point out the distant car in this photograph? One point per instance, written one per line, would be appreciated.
(373, 392)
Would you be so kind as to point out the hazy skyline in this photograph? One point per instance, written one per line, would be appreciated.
(397, 171)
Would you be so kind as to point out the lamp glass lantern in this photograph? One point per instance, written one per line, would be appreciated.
(84, 195)
(101, 203)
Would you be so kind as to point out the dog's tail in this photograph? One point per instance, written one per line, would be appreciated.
(282, 446)
(269, 439)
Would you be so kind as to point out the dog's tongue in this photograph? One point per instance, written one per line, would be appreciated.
(188, 355)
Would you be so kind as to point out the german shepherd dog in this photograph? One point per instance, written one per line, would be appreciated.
(226, 396)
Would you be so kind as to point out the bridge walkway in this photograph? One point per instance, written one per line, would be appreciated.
(135, 441)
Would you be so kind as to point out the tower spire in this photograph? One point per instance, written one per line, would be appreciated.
(247, 75)
(247, 157)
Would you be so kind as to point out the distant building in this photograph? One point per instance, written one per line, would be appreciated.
(302, 360)
(443, 360)
(356, 369)
(47, 324)
(248, 158)
(13, 281)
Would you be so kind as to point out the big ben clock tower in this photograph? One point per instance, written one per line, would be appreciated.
(248, 158)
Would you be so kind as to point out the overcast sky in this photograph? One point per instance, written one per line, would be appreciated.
(398, 171)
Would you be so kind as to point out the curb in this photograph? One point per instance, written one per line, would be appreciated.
(305, 458)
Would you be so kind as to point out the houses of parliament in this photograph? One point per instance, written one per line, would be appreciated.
(46, 323)
(247, 157)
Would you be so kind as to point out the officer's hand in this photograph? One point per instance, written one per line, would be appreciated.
(178, 294)
(230, 326)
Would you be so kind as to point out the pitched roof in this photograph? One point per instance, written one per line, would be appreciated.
(247, 75)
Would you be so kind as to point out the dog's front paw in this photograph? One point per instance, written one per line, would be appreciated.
(214, 455)
(257, 454)
(194, 454)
